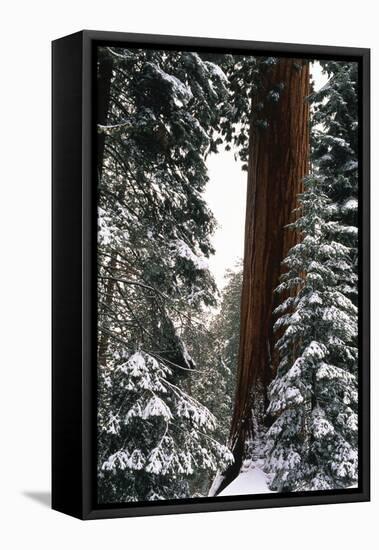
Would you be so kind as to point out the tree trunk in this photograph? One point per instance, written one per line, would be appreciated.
(278, 162)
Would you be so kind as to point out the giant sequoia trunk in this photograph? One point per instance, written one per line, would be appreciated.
(278, 162)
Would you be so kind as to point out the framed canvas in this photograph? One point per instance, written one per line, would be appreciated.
(210, 275)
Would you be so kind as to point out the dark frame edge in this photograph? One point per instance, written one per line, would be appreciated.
(67, 464)
(89, 292)
(223, 506)
(162, 40)
(365, 273)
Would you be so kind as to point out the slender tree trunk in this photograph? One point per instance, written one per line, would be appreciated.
(278, 162)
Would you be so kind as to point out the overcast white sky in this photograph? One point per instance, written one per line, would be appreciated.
(226, 196)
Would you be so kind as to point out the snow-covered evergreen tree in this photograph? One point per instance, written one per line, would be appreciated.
(215, 350)
(228, 320)
(246, 79)
(312, 443)
(155, 435)
(334, 131)
(335, 144)
(153, 244)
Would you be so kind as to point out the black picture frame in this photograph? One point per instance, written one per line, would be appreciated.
(74, 287)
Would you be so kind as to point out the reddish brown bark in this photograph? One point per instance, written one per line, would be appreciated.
(278, 162)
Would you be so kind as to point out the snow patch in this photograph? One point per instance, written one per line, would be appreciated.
(253, 481)
(184, 251)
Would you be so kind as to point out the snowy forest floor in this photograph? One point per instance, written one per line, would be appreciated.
(251, 480)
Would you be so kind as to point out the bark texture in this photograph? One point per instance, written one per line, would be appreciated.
(278, 162)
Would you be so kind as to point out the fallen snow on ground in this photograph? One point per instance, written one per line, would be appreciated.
(251, 481)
